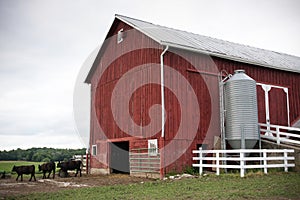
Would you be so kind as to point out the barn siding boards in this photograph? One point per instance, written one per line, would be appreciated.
(104, 97)
(278, 107)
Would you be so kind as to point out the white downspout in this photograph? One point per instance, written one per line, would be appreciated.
(162, 92)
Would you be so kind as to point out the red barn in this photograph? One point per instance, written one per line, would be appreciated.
(155, 95)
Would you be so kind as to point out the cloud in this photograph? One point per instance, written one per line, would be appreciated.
(38, 68)
(27, 141)
(44, 44)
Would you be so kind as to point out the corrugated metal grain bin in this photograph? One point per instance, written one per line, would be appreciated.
(241, 111)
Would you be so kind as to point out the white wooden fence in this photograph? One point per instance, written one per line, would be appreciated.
(280, 134)
(219, 161)
(83, 160)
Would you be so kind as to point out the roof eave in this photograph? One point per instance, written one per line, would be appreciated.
(139, 29)
(188, 48)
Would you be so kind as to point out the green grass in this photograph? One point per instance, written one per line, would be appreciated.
(8, 165)
(226, 186)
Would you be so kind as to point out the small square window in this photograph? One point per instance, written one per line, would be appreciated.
(120, 36)
(94, 150)
(152, 147)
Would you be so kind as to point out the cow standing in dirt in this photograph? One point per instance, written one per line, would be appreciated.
(47, 167)
(70, 165)
(24, 170)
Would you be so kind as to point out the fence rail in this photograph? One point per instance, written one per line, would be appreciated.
(280, 134)
(83, 160)
(243, 160)
(144, 161)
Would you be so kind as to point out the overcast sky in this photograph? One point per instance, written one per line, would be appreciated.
(44, 44)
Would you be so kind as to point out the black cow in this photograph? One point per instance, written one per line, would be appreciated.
(47, 167)
(30, 169)
(70, 165)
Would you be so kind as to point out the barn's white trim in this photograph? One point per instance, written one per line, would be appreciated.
(162, 91)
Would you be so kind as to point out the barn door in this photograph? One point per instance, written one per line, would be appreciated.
(273, 105)
(119, 157)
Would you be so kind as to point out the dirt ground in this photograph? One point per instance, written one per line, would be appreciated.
(11, 187)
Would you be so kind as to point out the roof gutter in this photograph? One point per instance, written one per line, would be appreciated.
(162, 91)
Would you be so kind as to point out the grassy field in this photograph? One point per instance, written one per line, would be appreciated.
(8, 165)
(227, 186)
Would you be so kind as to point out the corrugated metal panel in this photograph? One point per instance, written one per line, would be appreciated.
(215, 47)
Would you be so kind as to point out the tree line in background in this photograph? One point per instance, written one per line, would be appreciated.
(40, 154)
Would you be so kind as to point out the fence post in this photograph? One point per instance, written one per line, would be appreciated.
(81, 159)
(200, 161)
(285, 160)
(87, 163)
(217, 160)
(265, 161)
(139, 158)
(242, 163)
(277, 135)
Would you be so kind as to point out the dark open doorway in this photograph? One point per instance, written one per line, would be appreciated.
(119, 157)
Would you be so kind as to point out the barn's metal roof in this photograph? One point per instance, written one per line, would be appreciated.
(215, 47)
